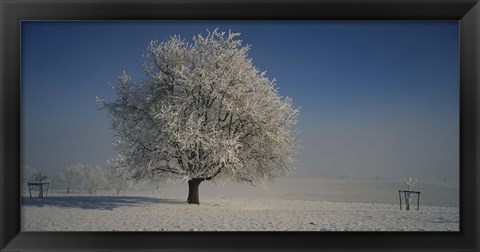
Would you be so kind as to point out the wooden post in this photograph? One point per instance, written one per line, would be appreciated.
(40, 193)
(418, 201)
(29, 190)
(407, 200)
(400, 197)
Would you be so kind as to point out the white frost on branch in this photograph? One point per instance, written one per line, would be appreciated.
(204, 112)
(410, 183)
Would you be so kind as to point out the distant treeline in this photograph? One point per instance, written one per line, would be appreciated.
(78, 178)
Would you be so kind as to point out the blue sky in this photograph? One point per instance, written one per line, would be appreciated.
(377, 98)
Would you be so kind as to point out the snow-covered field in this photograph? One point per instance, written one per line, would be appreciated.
(290, 204)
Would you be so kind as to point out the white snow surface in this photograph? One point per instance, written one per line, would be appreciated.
(290, 204)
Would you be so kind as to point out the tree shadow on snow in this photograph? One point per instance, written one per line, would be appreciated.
(95, 202)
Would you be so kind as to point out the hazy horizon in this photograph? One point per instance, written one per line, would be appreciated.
(376, 98)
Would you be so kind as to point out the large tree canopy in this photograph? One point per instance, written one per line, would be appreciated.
(203, 112)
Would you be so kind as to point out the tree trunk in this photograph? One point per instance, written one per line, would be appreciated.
(40, 193)
(407, 200)
(193, 191)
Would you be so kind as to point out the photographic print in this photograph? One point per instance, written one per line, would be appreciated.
(240, 126)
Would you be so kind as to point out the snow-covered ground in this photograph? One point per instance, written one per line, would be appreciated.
(292, 204)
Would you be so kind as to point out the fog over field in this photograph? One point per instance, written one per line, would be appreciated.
(290, 204)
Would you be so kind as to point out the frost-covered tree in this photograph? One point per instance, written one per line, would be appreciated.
(204, 112)
(93, 179)
(39, 177)
(70, 177)
(116, 182)
(80, 177)
(27, 174)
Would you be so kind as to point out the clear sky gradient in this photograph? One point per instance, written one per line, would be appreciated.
(376, 98)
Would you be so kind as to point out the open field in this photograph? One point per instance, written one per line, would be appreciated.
(290, 204)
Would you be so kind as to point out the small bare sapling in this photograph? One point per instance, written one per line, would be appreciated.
(409, 183)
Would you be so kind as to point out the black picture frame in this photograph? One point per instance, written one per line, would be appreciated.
(14, 11)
